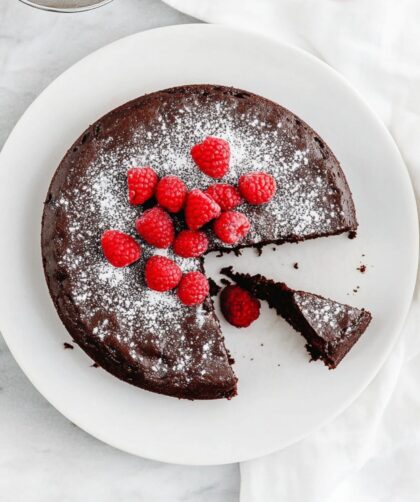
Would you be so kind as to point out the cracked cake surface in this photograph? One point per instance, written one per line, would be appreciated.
(142, 336)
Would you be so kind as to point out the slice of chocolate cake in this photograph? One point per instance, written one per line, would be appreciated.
(330, 328)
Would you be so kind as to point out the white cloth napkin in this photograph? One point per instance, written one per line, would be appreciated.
(371, 452)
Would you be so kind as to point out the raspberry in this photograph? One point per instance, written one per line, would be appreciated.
(156, 227)
(200, 209)
(119, 248)
(227, 196)
(142, 183)
(212, 156)
(193, 288)
(231, 226)
(161, 273)
(171, 193)
(257, 188)
(190, 243)
(238, 306)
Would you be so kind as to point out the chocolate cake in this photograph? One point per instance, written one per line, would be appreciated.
(141, 336)
(330, 328)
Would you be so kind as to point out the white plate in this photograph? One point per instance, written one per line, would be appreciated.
(282, 397)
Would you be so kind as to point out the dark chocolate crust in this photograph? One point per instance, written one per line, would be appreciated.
(155, 343)
(330, 328)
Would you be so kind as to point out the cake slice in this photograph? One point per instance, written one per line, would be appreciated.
(329, 327)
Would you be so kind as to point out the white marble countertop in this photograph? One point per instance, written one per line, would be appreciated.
(43, 456)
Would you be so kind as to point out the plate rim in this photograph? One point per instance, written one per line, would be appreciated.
(404, 173)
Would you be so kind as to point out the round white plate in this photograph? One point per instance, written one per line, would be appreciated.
(282, 397)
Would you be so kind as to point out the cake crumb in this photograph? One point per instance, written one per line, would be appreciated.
(94, 365)
(362, 269)
(296, 265)
(352, 234)
(262, 345)
(214, 288)
(258, 250)
(68, 346)
(274, 249)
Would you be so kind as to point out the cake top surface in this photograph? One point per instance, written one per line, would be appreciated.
(332, 321)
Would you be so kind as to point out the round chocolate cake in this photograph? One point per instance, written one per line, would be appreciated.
(142, 336)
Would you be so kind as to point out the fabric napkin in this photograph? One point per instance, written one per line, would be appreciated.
(371, 452)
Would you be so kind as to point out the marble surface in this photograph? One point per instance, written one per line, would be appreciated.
(43, 456)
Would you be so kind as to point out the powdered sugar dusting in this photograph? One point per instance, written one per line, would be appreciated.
(332, 320)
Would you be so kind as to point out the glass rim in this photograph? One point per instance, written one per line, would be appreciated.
(59, 5)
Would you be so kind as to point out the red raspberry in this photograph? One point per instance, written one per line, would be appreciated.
(190, 243)
(200, 209)
(238, 306)
(142, 183)
(227, 196)
(193, 288)
(257, 188)
(231, 226)
(171, 193)
(212, 156)
(161, 273)
(119, 248)
(156, 227)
